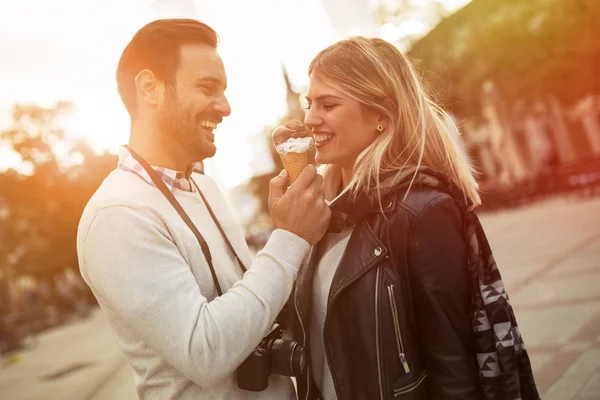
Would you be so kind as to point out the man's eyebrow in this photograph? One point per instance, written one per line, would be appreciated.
(212, 80)
(325, 97)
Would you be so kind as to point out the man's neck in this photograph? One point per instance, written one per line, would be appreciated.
(145, 141)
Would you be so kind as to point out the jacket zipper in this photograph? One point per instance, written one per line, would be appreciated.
(410, 388)
(379, 375)
(304, 345)
(399, 342)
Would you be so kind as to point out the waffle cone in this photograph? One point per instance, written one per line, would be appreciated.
(294, 163)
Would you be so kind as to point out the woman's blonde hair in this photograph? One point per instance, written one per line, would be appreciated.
(377, 74)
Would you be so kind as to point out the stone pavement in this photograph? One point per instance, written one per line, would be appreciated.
(80, 361)
(549, 256)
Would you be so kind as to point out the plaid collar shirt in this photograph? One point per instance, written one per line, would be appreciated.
(173, 179)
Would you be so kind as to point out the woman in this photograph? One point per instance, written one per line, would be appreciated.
(401, 299)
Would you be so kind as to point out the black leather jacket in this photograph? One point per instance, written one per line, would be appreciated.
(398, 323)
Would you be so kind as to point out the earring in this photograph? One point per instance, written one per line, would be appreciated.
(380, 128)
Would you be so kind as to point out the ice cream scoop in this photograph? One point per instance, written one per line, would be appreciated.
(294, 145)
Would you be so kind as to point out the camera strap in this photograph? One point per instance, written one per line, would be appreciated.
(160, 185)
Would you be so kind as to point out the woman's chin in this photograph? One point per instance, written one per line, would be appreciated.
(327, 159)
(321, 158)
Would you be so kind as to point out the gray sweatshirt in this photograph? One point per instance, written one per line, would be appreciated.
(146, 268)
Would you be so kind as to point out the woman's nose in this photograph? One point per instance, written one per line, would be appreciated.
(311, 119)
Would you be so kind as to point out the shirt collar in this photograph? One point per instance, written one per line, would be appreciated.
(173, 179)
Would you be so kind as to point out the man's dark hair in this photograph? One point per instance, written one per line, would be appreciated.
(157, 47)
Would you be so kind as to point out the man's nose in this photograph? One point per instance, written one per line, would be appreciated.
(223, 107)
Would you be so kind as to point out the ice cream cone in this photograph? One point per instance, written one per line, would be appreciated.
(293, 143)
(294, 163)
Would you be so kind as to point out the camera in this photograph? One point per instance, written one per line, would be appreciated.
(272, 355)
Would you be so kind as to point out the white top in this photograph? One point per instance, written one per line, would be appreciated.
(333, 249)
(147, 271)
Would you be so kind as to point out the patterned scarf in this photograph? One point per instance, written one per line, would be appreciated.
(504, 367)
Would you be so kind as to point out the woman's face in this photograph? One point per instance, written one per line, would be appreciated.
(343, 127)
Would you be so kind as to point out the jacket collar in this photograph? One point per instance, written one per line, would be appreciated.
(363, 251)
(348, 208)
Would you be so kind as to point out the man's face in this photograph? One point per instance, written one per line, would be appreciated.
(196, 103)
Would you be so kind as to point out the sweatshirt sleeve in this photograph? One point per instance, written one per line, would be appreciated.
(136, 271)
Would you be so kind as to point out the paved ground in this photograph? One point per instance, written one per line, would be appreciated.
(77, 362)
(549, 255)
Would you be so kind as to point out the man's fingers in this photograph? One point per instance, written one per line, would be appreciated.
(304, 179)
(321, 197)
(277, 185)
(315, 185)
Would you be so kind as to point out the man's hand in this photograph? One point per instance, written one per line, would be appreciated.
(301, 209)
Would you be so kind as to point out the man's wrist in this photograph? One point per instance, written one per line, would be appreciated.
(287, 246)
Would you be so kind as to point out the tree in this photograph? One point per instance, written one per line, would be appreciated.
(531, 49)
(45, 197)
(399, 12)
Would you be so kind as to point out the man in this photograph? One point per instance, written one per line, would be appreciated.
(144, 263)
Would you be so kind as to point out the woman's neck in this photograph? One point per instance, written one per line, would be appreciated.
(335, 180)
(346, 177)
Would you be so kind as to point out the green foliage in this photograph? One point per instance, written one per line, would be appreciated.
(41, 206)
(530, 48)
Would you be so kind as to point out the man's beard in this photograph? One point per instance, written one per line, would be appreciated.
(179, 131)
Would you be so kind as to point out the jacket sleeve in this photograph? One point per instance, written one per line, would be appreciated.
(139, 276)
(440, 285)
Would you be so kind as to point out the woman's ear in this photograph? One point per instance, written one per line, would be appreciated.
(382, 118)
(389, 105)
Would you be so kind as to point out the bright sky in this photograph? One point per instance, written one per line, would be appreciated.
(68, 50)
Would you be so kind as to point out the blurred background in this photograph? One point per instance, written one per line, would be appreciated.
(520, 78)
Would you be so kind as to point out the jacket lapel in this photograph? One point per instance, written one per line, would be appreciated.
(367, 250)
(304, 286)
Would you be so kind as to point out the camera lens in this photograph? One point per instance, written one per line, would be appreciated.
(287, 357)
